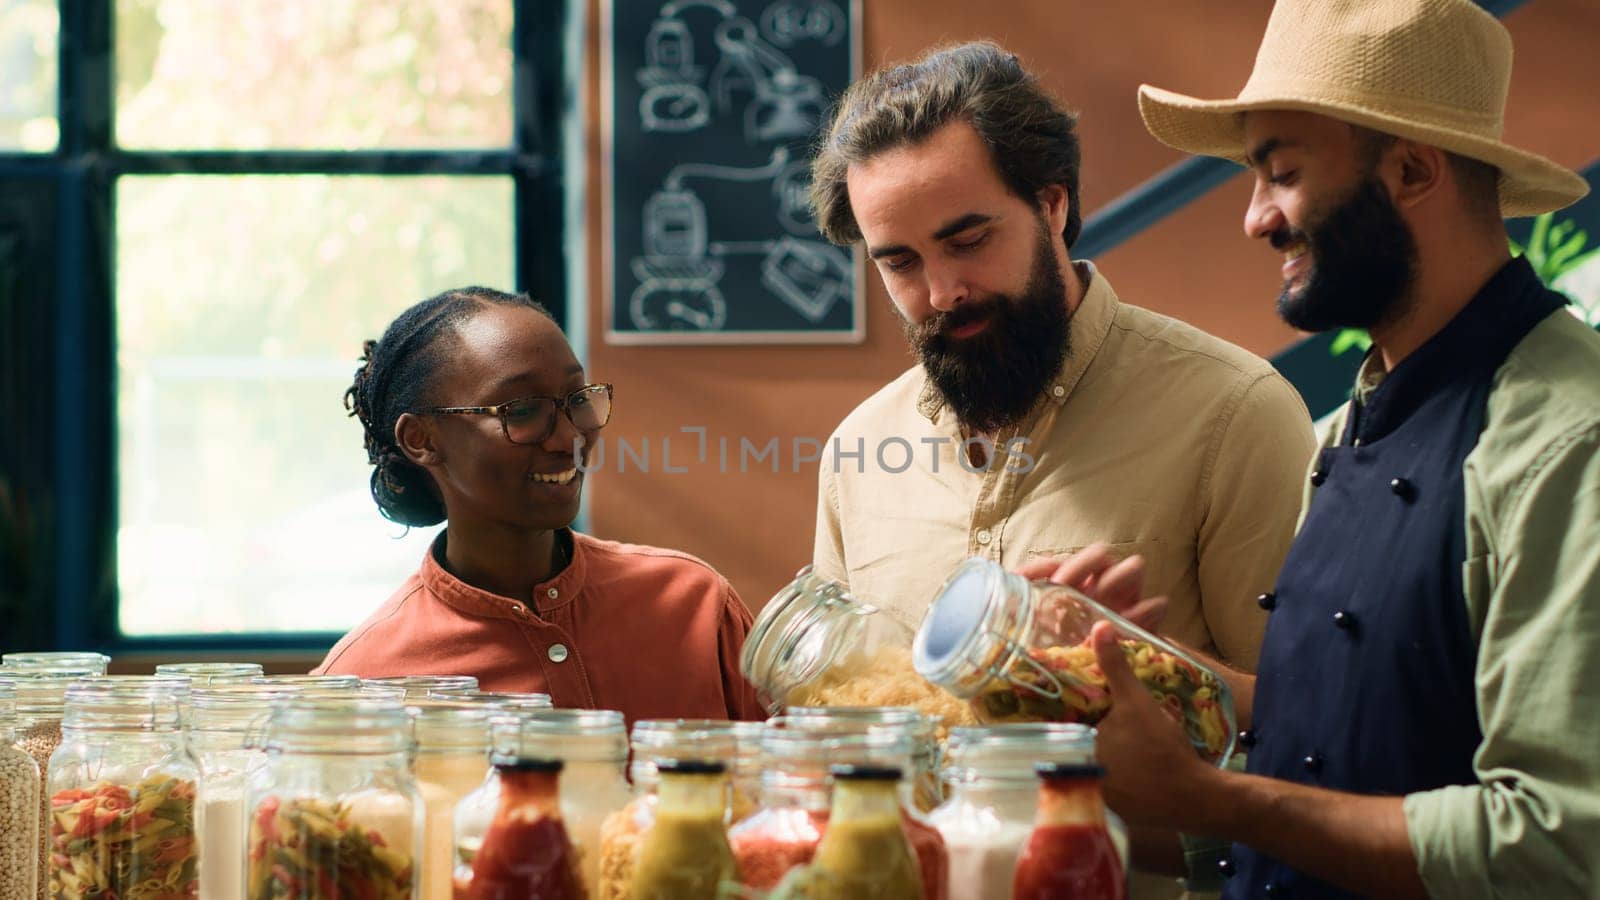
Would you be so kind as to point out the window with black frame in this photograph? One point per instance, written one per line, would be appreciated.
(267, 185)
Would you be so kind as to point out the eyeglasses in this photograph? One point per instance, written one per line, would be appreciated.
(531, 420)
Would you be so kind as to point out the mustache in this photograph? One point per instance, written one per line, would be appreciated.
(942, 323)
(1286, 237)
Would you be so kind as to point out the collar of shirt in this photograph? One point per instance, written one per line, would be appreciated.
(1502, 308)
(1087, 329)
(548, 596)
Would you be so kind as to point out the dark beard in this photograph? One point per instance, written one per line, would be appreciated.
(1363, 261)
(993, 378)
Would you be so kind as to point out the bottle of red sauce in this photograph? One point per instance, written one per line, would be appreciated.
(1070, 855)
(526, 853)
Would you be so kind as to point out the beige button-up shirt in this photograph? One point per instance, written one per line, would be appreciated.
(1155, 437)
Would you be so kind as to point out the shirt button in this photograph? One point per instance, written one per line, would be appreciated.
(1402, 489)
(1343, 619)
(1268, 601)
(1313, 763)
(552, 593)
(558, 653)
(1058, 391)
(516, 608)
(984, 536)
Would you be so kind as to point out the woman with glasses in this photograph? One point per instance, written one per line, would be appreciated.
(478, 414)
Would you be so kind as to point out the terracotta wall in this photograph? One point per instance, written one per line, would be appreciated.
(757, 527)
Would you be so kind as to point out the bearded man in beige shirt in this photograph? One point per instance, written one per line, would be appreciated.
(1045, 415)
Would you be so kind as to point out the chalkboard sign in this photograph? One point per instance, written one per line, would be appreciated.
(712, 111)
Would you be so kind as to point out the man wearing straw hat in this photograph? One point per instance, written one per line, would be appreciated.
(1423, 721)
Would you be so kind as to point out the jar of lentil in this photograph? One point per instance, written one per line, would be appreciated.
(204, 674)
(592, 745)
(335, 811)
(1020, 652)
(417, 687)
(226, 726)
(815, 644)
(792, 811)
(96, 663)
(123, 788)
(19, 807)
(41, 699)
(451, 760)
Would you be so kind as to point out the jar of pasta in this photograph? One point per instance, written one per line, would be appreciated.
(452, 759)
(1020, 651)
(122, 789)
(19, 807)
(335, 810)
(226, 725)
(592, 745)
(814, 644)
(994, 795)
(205, 674)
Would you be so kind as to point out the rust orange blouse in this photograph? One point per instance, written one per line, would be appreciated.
(654, 633)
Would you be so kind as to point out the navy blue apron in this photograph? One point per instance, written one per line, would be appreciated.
(1366, 676)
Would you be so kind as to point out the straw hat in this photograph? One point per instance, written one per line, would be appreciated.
(1433, 71)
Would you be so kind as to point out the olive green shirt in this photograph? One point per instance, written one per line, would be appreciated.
(1530, 827)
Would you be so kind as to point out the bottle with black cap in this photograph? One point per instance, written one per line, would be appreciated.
(1069, 855)
(525, 852)
(685, 855)
(865, 851)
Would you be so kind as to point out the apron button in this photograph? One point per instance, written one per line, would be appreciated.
(1403, 489)
(1268, 601)
(1313, 763)
(1344, 620)
(1318, 477)
(1247, 738)
(1225, 867)
(1271, 889)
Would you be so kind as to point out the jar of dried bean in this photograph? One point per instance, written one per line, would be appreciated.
(41, 696)
(19, 808)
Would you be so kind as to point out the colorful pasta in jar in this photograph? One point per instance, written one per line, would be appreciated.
(1019, 651)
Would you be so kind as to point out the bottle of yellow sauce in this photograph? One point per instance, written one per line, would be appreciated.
(685, 854)
(865, 852)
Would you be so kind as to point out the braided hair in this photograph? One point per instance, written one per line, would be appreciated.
(395, 377)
